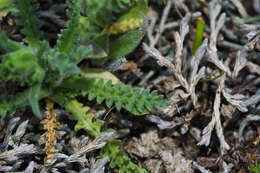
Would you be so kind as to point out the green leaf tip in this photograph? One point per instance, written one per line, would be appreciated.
(69, 37)
(199, 34)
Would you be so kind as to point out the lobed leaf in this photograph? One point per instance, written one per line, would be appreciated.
(69, 37)
(84, 119)
(123, 96)
(31, 27)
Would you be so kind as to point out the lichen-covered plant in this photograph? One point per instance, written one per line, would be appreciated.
(54, 73)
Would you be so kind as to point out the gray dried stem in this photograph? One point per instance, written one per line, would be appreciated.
(254, 40)
(227, 167)
(20, 131)
(241, 102)
(201, 168)
(179, 39)
(166, 10)
(8, 137)
(215, 26)
(196, 75)
(245, 122)
(238, 100)
(94, 145)
(14, 154)
(80, 150)
(240, 8)
(223, 144)
(254, 67)
(99, 166)
(176, 65)
(240, 63)
(179, 4)
(216, 122)
(162, 124)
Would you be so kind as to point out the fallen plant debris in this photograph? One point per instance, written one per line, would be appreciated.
(132, 86)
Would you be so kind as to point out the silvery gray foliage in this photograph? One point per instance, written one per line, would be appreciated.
(99, 166)
(11, 125)
(249, 118)
(176, 65)
(201, 168)
(241, 102)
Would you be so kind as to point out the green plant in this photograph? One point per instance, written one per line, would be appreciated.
(54, 73)
(117, 158)
(100, 26)
(254, 168)
(199, 35)
(5, 3)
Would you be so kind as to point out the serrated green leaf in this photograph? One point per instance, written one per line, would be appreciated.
(140, 108)
(81, 53)
(146, 92)
(84, 119)
(122, 95)
(118, 105)
(91, 96)
(129, 106)
(31, 27)
(109, 102)
(69, 37)
(154, 93)
(100, 99)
